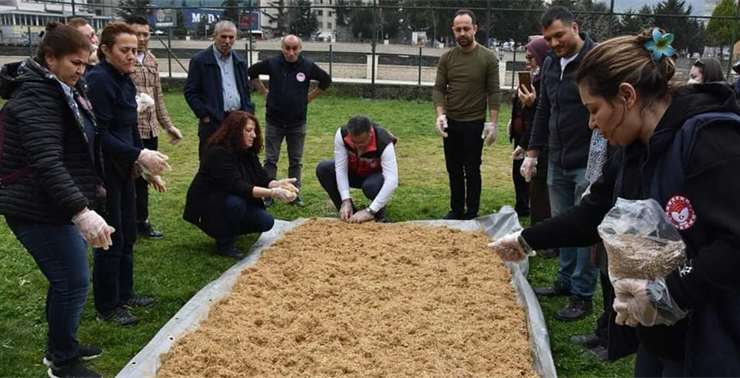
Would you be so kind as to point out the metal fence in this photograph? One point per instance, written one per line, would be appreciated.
(400, 41)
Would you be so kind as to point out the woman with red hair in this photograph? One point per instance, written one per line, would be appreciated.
(225, 197)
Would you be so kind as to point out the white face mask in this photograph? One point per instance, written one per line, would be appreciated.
(693, 81)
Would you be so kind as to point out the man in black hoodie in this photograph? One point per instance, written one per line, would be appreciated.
(561, 122)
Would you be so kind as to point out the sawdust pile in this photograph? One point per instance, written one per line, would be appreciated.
(333, 299)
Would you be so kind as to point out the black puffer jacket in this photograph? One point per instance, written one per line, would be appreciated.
(40, 130)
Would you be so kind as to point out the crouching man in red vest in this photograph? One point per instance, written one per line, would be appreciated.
(364, 158)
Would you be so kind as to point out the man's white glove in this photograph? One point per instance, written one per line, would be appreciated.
(282, 195)
(362, 216)
(510, 248)
(519, 153)
(442, 125)
(529, 168)
(645, 302)
(152, 162)
(93, 228)
(175, 135)
(489, 133)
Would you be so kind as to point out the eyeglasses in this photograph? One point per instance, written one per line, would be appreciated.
(699, 63)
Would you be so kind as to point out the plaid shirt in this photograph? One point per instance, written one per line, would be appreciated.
(146, 78)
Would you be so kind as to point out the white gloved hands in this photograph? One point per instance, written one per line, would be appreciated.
(529, 168)
(152, 162)
(156, 182)
(362, 216)
(143, 102)
(93, 228)
(489, 133)
(346, 211)
(283, 195)
(645, 302)
(510, 248)
(519, 153)
(175, 135)
(288, 184)
(442, 125)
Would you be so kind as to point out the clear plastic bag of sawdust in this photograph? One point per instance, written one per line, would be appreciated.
(640, 240)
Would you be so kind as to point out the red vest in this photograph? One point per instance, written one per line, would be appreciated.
(368, 162)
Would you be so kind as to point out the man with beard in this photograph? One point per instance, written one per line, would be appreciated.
(561, 123)
(217, 83)
(467, 83)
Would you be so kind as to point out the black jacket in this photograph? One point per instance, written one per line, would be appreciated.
(40, 130)
(708, 341)
(287, 100)
(221, 174)
(203, 88)
(528, 114)
(561, 121)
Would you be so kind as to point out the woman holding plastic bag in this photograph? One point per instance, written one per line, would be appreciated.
(678, 148)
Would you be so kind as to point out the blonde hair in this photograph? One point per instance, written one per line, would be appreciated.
(626, 60)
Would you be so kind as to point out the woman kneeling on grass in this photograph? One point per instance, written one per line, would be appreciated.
(52, 182)
(225, 197)
(677, 145)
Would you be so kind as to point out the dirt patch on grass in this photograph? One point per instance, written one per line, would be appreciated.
(333, 299)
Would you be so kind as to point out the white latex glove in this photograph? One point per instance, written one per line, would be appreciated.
(93, 228)
(519, 153)
(175, 135)
(489, 133)
(156, 182)
(346, 211)
(442, 125)
(645, 302)
(287, 184)
(362, 216)
(509, 248)
(282, 195)
(529, 168)
(143, 102)
(153, 162)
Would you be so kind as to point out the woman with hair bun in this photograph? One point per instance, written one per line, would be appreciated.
(52, 186)
(676, 144)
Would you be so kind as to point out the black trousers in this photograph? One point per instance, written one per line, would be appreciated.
(113, 270)
(521, 188)
(142, 187)
(463, 148)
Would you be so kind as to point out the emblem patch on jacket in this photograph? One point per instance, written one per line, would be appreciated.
(680, 212)
(301, 77)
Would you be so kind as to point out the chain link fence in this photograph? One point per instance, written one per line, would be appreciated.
(400, 41)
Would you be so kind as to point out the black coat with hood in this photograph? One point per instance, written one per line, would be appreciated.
(41, 131)
(708, 340)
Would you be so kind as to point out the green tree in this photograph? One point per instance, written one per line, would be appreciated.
(719, 30)
(685, 30)
(233, 10)
(279, 21)
(129, 8)
(303, 21)
(635, 22)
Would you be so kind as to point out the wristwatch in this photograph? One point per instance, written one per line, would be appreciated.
(371, 211)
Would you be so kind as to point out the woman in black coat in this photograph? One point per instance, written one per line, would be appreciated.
(113, 95)
(225, 197)
(52, 183)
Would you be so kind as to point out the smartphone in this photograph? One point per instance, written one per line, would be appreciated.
(525, 79)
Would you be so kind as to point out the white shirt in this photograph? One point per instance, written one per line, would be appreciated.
(564, 62)
(140, 58)
(388, 166)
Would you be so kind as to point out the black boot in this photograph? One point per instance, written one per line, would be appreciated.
(557, 289)
(227, 247)
(577, 309)
(145, 229)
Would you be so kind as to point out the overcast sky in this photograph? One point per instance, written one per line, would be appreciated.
(697, 6)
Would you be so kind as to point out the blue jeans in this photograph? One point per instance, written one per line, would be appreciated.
(61, 254)
(250, 217)
(576, 270)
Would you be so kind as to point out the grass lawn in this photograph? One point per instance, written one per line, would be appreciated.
(175, 268)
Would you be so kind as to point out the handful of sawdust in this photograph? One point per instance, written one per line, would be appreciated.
(635, 256)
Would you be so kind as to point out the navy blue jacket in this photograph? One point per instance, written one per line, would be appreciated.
(113, 98)
(561, 121)
(707, 342)
(287, 100)
(203, 90)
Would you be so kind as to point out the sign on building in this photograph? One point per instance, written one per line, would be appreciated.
(161, 18)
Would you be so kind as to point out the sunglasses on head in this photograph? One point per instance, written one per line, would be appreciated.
(699, 63)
